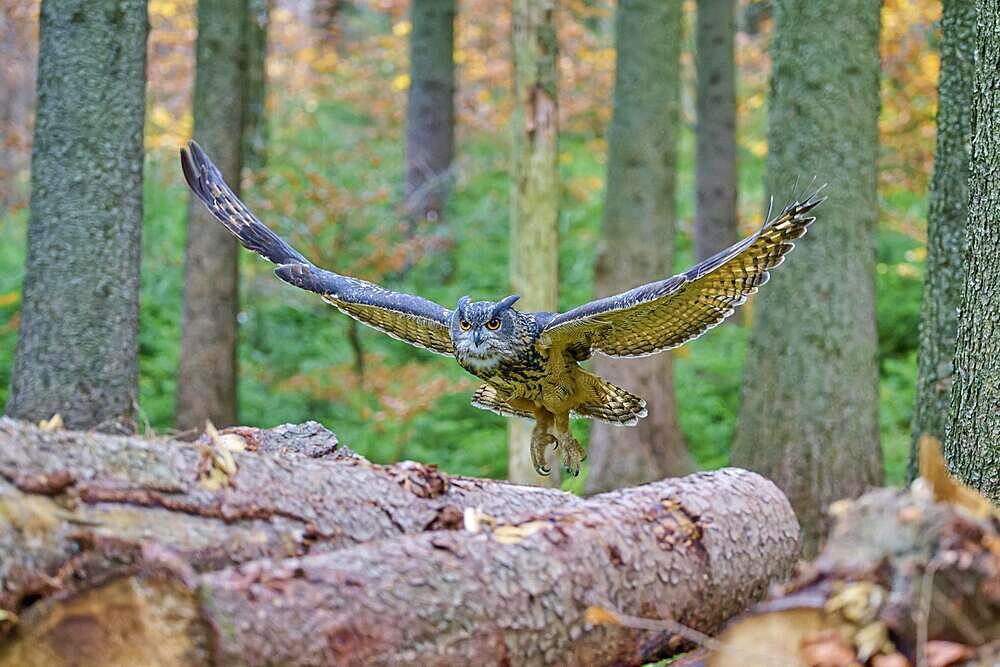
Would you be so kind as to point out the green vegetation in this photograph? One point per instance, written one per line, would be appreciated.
(339, 172)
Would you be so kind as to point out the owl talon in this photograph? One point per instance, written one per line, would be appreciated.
(571, 455)
(539, 442)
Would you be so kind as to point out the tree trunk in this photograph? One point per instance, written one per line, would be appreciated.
(534, 209)
(206, 384)
(946, 228)
(430, 120)
(73, 502)
(255, 126)
(809, 418)
(716, 220)
(77, 352)
(695, 550)
(639, 207)
(971, 446)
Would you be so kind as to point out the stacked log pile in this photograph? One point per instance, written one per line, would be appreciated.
(280, 547)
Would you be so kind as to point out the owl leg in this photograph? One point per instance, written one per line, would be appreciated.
(571, 452)
(540, 440)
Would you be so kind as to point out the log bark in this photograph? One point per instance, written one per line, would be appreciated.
(75, 503)
(696, 550)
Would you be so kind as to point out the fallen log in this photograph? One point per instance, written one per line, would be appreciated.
(73, 504)
(696, 550)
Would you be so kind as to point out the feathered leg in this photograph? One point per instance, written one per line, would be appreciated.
(571, 452)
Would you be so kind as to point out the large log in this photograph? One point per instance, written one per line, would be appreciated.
(73, 504)
(696, 550)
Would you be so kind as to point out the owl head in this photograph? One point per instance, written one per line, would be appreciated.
(482, 331)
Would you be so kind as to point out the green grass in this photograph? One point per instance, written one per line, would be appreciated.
(335, 170)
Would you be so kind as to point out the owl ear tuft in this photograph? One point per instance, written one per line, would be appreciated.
(462, 303)
(505, 304)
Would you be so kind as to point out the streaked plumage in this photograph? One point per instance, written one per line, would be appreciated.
(530, 361)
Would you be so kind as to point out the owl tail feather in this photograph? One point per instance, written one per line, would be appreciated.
(612, 404)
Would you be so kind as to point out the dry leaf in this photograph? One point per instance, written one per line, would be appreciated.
(600, 616)
(474, 518)
(872, 639)
(934, 470)
(515, 534)
(8, 617)
(943, 654)
(890, 660)
(779, 634)
(53, 423)
(858, 602)
(829, 649)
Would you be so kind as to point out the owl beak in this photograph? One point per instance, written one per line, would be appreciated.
(477, 337)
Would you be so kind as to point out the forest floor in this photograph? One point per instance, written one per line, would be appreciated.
(333, 185)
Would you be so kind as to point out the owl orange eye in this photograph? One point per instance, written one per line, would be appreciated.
(493, 324)
(464, 324)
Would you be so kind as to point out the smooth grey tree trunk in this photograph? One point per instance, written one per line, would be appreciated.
(255, 128)
(77, 352)
(534, 206)
(972, 447)
(638, 237)
(430, 118)
(206, 386)
(715, 221)
(809, 418)
(946, 223)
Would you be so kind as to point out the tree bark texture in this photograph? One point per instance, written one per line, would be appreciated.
(696, 550)
(430, 119)
(206, 384)
(255, 126)
(77, 351)
(638, 237)
(534, 209)
(73, 503)
(971, 446)
(946, 223)
(716, 221)
(809, 418)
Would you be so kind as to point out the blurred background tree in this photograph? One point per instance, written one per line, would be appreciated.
(206, 378)
(716, 222)
(637, 237)
(77, 352)
(334, 183)
(430, 109)
(809, 416)
(534, 203)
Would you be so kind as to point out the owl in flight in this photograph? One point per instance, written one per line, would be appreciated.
(530, 362)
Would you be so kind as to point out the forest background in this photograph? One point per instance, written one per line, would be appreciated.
(334, 182)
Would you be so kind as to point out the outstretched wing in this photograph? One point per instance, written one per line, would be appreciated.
(670, 312)
(409, 318)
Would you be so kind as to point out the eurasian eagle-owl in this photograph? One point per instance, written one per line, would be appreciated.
(530, 362)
